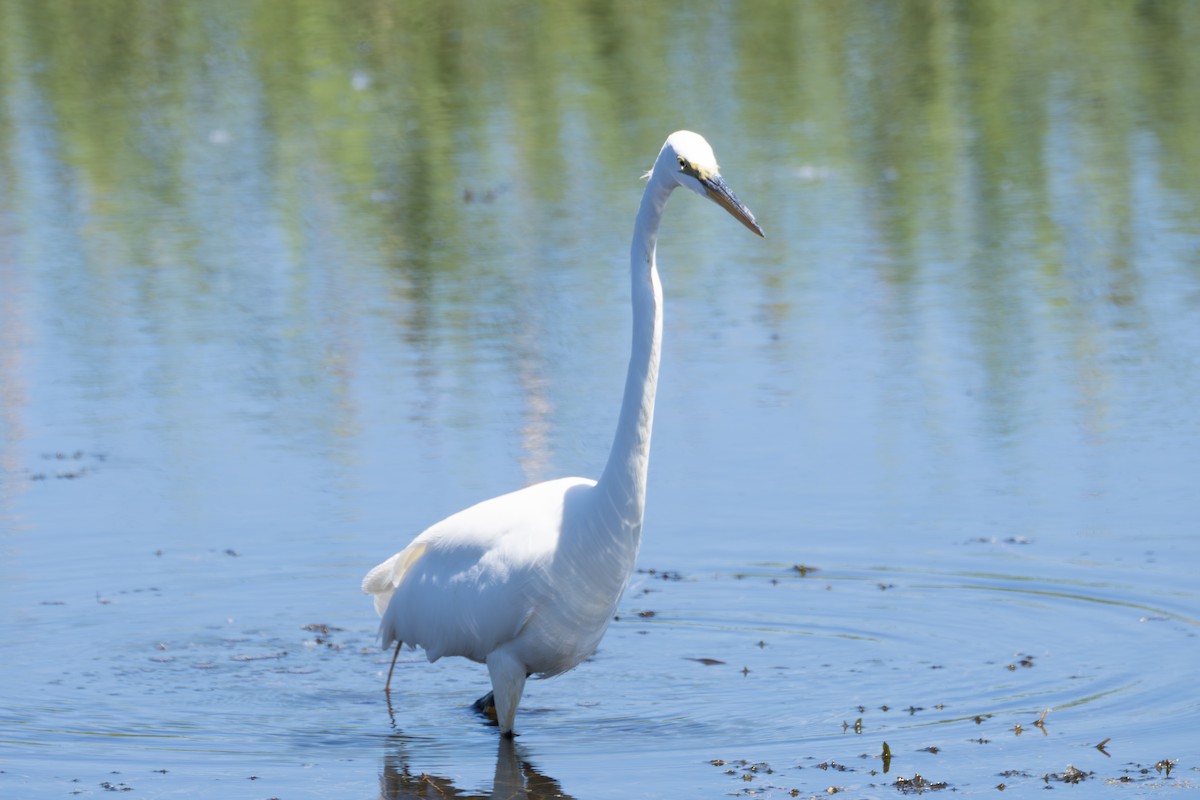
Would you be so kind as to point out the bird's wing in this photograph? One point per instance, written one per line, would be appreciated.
(469, 583)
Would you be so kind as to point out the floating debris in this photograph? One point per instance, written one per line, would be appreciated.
(1024, 661)
(79, 457)
(918, 785)
(258, 656)
(1068, 775)
(666, 574)
(996, 540)
(115, 787)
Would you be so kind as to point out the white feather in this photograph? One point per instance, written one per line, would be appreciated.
(527, 582)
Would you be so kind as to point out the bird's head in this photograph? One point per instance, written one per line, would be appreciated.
(689, 160)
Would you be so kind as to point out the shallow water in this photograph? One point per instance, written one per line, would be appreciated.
(281, 284)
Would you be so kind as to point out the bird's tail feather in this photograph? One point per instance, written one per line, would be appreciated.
(384, 579)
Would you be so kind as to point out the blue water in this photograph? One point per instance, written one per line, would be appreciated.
(924, 466)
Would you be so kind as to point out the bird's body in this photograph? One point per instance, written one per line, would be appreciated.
(527, 582)
(491, 576)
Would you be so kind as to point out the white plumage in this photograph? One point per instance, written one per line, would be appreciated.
(527, 582)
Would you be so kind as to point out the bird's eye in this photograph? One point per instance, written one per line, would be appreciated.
(688, 168)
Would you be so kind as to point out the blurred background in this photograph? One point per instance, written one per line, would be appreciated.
(282, 283)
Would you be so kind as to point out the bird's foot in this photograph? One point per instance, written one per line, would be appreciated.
(486, 707)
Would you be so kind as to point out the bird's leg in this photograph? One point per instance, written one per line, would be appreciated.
(391, 711)
(508, 681)
(486, 706)
(387, 688)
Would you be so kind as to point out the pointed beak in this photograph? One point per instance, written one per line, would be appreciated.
(719, 192)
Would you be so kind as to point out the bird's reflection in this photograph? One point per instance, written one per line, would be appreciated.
(515, 779)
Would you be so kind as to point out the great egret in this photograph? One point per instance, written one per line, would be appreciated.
(527, 582)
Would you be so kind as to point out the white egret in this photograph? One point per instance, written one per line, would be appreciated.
(527, 582)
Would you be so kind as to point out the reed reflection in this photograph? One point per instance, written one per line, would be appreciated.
(515, 779)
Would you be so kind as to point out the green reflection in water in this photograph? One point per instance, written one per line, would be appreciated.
(940, 110)
(992, 152)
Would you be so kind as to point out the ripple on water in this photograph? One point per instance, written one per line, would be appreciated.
(951, 668)
(770, 659)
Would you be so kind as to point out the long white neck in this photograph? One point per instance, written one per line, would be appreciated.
(623, 482)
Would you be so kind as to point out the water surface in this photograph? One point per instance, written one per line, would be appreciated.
(283, 283)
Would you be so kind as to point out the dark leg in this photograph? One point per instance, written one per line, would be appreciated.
(387, 689)
(486, 706)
